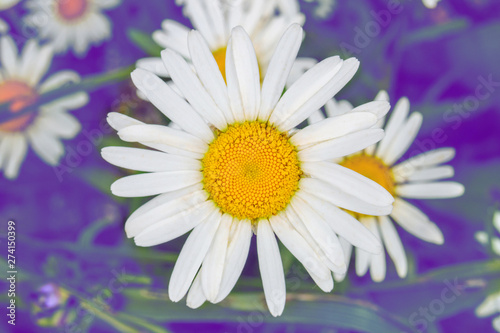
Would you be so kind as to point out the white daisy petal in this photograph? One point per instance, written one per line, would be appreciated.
(190, 86)
(120, 121)
(236, 256)
(297, 246)
(242, 73)
(378, 108)
(171, 104)
(299, 67)
(345, 145)
(195, 297)
(173, 36)
(301, 228)
(489, 306)
(154, 65)
(68, 102)
(148, 160)
(191, 256)
(496, 220)
(403, 139)
(427, 159)
(362, 261)
(316, 117)
(147, 184)
(332, 128)
(46, 146)
(233, 89)
(214, 262)
(344, 224)
(8, 56)
(312, 91)
(496, 324)
(18, 149)
(394, 124)
(60, 124)
(393, 245)
(349, 181)
(176, 225)
(428, 174)
(163, 135)
(44, 59)
(59, 79)
(415, 222)
(210, 76)
(279, 68)
(377, 263)
(320, 231)
(347, 248)
(335, 108)
(382, 96)
(339, 198)
(271, 268)
(305, 88)
(164, 207)
(197, 12)
(436, 190)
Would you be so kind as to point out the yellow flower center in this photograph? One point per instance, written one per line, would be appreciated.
(72, 9)
(251, 170)
(373, 168)
(20, 95)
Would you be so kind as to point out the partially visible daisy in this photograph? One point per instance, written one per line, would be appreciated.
(235, 165)
(483, 238)
(75, 24)
(491, 305)
(430, 3)
(264, 20)
(6, 4)
(20, 85)
(416, 178)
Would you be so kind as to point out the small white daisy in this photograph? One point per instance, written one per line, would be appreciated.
(264, 20)
(491, 305)
(20, 86)
(415, 178)
(75, 24)
(235, 165)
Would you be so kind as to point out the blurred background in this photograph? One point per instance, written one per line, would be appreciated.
(77, 271)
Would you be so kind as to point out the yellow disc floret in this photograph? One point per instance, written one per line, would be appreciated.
(251, 170)
(371, 167)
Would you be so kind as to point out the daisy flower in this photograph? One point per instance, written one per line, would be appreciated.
(491, 305)
(20, 86)
(264, 20)
(75, 24)
(236, 165)
(416, 178)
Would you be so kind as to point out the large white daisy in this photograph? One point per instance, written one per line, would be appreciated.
(75, 24)
(416, 178)
(236, 165)
(20, 85)
(264, 20)
(491, 305)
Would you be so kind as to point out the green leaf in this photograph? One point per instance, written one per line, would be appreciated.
(144, 42)
(332, 311)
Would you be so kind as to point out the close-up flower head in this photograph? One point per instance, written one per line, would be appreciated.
(249, 166)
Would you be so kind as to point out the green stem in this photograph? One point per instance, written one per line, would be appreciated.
(88, 84)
